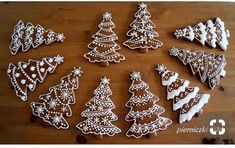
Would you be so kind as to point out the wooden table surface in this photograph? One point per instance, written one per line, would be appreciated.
(78, 21)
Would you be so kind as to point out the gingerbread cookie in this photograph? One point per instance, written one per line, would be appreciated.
(210, 33)
(207, 65)
(26, 36)
(142, 34)
(99, 114)
(25, 76)
(55, 105)
(104, 48)
(144, 111)
(184, 97)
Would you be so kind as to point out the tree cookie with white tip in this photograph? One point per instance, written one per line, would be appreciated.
(103, 47)
(209, 33)
(25, 76)
(55, 105)
(144, 112)
(26, 36)
(142, 34)
(185, 98)
(208, 66)
(99, 113)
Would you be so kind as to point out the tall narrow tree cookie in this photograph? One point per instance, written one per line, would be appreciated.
(207, 65)
(26, 36)
(25, 76)
(144, 112)
(99, 114)
(210, 33)
(142, 33)
(55, 105)
(184, 97)
(104, 48)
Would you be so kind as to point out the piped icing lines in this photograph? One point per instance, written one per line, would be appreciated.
(25, 76)
(144, 112)
(55, 105)
(210, 33)
(99, 113)
(209, 66)
(26, 36)
(184, 97)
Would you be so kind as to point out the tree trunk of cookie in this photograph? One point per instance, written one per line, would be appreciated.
(45, 124)
(144, 50)
(105, 64)
(151, 135)
(199, 113)
(98, 136)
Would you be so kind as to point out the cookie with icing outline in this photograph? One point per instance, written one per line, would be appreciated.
(144, 112)
(55, 105)
(26, 36)
(185, 98)
(24, 76)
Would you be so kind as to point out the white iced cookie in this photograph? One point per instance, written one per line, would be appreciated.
(209, 32)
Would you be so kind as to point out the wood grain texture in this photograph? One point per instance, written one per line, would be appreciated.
(78, 21)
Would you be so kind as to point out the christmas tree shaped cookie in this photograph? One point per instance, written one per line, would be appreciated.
(25, 76)
(184, 97)
(99, 114)
(26, 36)
(104, 48)
(210, 33)
(55, 105)
(142, 34)
(207, 65)
(144, 111)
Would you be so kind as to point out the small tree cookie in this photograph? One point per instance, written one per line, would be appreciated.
(184, 97)
(207, 65)
(99, 114)
(25, 76)
(210, 33)
(144, 112)
(26, 36)
(104, 48)
(55, 105)
(142, 33)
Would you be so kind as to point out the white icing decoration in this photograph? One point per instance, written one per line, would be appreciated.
(142, 33)
(14, 71)
(181, 102)
(189, 96)
(188, 116)
(27, 35)
(99, 114)
(104, 38)
(207, 65)
(137, 130)
(211, 33)
(53, 110)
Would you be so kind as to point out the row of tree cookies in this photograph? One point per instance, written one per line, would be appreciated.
(144, 111)
(104, 49)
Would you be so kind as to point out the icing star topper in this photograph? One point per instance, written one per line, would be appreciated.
(143, 5)
(77, 71)
(59, 59)
(105, 80)
(135, 75)
(174, 51)
(107, 16)
(161, 68)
